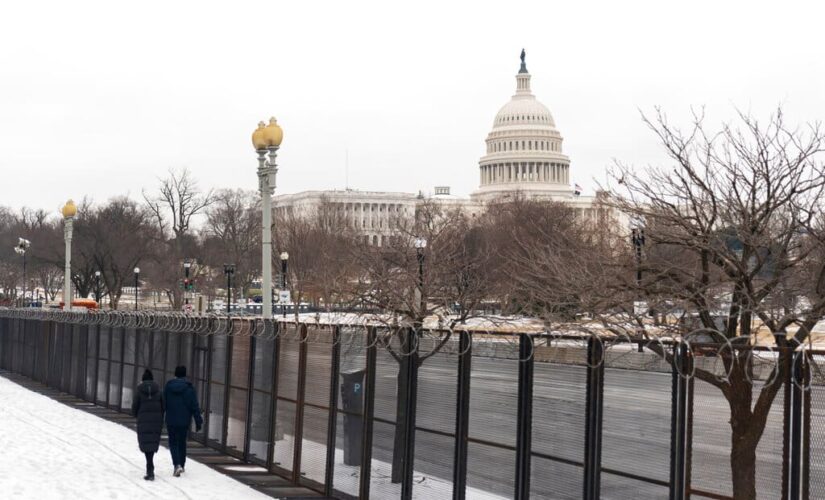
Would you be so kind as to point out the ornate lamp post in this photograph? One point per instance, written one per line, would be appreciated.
(137, 276)
(284, 259)
(420, 244)
(69, 211)
(267, 138)
(20, 249)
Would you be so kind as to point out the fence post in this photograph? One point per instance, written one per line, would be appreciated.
(524, 419)
(299, 405)
(411, 348)
(273, 396)
(97, 363)
(679, 422)
(332, 423)
(798, 379)
(253, 340)
(593, 419)
(230, 345)
(462, 415)
(210, 346)
(369, 410)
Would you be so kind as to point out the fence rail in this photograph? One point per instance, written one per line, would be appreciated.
(365, 411)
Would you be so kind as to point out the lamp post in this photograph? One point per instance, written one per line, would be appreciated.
(228, 270)
(20, 249)
(97, 288)
(186, 266)
(284, 259)
(69, 211)
(637, 238)
(267, 138)
(420, 244)
(137, 275)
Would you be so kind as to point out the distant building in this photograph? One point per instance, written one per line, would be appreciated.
(524, 157)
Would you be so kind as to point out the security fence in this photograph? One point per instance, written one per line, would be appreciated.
(368, 411)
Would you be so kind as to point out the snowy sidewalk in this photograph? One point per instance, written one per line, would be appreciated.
(51, 451)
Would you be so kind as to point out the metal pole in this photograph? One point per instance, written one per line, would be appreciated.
(273, 400)
(23, 302)
(411, 347)
(462, 417)
(136, 291)
(593, 416)
(524, 418)
(796, 435)
(299, 405)
(679, 424)
(332, 422)
(283, 284)
(250, 392)
(369, 410)
(265, 169)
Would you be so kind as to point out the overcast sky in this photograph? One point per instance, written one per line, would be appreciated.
(101, 99)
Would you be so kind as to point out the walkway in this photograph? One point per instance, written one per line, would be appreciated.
(56, 432)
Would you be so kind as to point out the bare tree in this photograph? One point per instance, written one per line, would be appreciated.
(177, 201)
(233, 234)
(408, 283)
(733, 232)
(318, 243)
(122, 235)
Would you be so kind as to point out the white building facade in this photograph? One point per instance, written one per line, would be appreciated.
(524, 157)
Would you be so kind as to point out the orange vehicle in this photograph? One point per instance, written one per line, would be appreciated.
(78, 303)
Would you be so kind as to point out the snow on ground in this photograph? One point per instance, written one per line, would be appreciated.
(51, 451)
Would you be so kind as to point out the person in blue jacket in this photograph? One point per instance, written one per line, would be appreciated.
(181, 407)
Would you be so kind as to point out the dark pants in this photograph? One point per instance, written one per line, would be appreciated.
(150, 465)
(177, 444)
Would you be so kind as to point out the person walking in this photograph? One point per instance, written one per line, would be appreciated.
(147, 406)
(181, 407)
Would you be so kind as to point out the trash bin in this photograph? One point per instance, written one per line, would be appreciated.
(352, 401)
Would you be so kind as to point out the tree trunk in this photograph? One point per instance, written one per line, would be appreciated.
(743, 463)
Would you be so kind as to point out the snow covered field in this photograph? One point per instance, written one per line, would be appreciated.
(51, 451)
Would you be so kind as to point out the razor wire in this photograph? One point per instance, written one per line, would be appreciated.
(711, 351)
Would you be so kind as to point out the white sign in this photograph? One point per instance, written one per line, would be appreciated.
(283, 296)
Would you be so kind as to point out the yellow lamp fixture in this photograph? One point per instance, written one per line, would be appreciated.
(273, 134)
(258, 139)
(69, 209)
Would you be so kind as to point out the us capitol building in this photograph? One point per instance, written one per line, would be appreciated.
(524, 156)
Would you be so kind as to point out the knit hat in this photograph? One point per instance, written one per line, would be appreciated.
(147, 375)
(180, 371)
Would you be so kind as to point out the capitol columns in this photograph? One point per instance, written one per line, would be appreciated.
(267, 139)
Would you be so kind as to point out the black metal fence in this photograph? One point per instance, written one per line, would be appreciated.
(485, 415)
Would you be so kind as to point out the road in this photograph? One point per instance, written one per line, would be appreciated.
(636, 429)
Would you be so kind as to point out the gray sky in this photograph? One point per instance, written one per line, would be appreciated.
(102, 98)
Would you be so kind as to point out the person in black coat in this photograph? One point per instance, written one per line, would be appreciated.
(181, 407)
(148, 407)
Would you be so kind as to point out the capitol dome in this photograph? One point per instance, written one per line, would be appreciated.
(524, 150)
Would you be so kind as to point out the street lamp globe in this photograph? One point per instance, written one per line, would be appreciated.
(69, 210)
(420, 243)
(284, 256)
(273, 134)
(137, 270)
(258, 139)
(97, 274)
